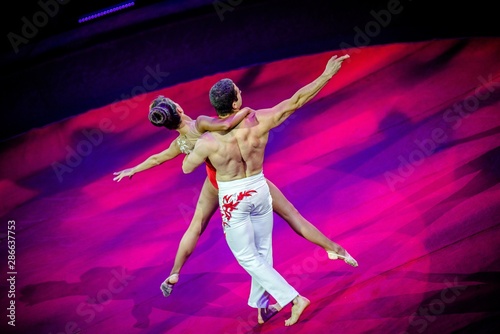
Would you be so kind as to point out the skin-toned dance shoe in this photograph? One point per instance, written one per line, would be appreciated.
(267, 313)
(167, 287)
(347, 259)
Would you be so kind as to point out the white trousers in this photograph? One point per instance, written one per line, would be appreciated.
(247, 218)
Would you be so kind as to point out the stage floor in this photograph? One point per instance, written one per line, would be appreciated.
(397, 159)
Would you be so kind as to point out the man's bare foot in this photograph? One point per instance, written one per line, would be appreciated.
(264, 314)
(299, 305)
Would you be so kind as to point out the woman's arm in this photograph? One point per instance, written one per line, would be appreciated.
(206, 123)
(156, 159)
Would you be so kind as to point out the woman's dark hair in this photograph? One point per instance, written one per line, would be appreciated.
(163, 112)
(222, 96)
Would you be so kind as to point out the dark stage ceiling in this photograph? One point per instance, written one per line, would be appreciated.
(53, 67)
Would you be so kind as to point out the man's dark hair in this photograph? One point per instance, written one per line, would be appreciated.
(163, 112)
(222, 96)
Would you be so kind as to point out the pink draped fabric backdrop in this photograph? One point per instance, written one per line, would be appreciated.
(397, 159)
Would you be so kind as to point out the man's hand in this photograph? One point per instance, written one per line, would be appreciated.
(333, 65)
(124, 173)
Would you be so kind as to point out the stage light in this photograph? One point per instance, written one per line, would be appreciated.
(106, 11)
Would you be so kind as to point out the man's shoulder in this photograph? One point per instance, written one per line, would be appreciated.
(206, 137)
(208, 140)
(206, 143)
(255, 114)
(259, 118)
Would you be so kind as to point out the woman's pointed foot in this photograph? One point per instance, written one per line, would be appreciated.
(347, 258)
(168, 285)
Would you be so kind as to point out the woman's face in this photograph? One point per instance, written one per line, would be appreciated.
(179, 108)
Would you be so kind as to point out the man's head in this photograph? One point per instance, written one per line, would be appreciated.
(225, 97)
(165, 112)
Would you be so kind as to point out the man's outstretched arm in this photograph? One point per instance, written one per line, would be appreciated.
(273, 117)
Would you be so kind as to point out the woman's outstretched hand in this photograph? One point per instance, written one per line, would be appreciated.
(124, 173)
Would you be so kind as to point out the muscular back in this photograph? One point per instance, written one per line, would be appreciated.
(239, 153)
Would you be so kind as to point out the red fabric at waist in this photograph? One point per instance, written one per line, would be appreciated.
(211, 173)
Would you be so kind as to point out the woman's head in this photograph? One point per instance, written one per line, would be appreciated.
(163, 112)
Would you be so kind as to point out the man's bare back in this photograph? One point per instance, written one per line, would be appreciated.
(238, 153)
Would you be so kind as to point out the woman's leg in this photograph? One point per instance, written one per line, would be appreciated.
(301, 226)
(208, 203)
